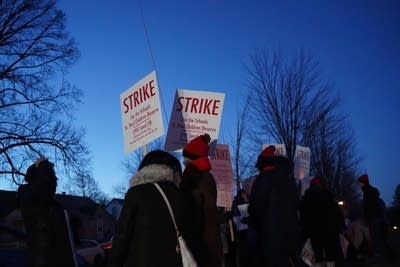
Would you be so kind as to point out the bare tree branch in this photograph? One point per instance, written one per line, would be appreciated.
(36, 103)
(292, 105)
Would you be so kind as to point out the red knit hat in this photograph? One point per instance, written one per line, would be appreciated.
(269, 151)
(364, 179)
(316, 181)
(197, 148)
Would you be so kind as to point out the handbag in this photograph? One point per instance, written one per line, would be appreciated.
(187, 256)
(307, 253)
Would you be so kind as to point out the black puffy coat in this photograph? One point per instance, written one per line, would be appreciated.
(322, 222)
(145, 234)
(273, 208)
(320, 215)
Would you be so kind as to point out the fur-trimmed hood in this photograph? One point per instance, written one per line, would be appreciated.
(154, 173)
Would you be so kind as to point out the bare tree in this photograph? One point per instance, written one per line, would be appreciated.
(292, 105)
(85, 185)
(131, 163)
(334, 157)
(35, 100)
(286, 95)
(243, 152)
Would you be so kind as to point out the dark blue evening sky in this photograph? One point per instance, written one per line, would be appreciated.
(203, 45)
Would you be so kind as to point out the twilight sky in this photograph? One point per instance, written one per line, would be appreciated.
(202, 45)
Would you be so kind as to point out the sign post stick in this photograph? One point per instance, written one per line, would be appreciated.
(230, 226)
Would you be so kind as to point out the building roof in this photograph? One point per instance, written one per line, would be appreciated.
(116, 200)
(8, 200)
(75, 204)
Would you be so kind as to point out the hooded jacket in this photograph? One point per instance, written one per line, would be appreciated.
(145, 234)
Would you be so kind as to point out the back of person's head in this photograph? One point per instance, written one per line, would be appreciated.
(268, 157)
(32, 174)
(363, 179)
(41, 171)
(161, 157)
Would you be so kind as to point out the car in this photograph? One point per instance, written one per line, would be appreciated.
(13, 248)
(107, 246)
(91, 250)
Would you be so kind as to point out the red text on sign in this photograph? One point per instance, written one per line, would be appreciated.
(139, 96)
(198, 105)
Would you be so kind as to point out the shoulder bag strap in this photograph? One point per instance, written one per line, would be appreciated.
(169, 207)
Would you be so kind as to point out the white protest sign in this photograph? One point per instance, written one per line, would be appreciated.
(194, 113)
(302, 162)
(141, 113)
(223, 174)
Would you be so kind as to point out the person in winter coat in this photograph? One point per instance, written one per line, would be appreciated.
(322, 222)
(199, 191)
(241, 228)
(273, 210)
(145, 235)
(374, 216)
(49, 236)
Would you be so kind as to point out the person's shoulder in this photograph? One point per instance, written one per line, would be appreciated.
(138, 190)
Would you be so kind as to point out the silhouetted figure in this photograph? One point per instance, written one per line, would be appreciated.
(374, 216)
(49, 235)
(322, 222)
(240, 217)
(273, 210)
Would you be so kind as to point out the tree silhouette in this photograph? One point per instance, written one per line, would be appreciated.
(293, 105)
(396, 197)
(394, 210)
(35, 99)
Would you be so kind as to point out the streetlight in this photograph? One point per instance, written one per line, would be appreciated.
(341, 203)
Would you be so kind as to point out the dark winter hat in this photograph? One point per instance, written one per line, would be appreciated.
(161, 157)
(364, 179)
(197, 148)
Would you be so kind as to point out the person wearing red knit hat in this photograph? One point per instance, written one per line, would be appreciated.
(201, 227)
(374, 215)
(273, 211)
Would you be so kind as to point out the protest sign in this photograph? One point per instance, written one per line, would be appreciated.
(194, 113)
(223, 174)
(141, 113)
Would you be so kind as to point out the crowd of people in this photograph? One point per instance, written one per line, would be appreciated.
(271, 225)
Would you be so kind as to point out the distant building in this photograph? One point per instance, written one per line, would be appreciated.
(114, 207)
(90, 219)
